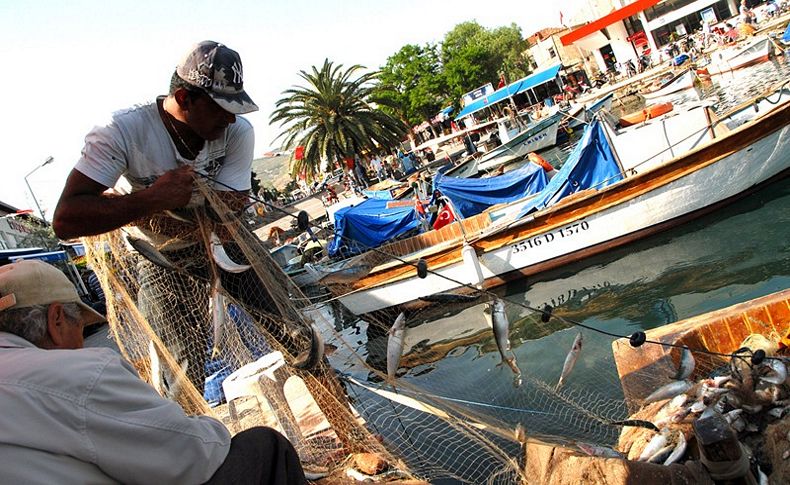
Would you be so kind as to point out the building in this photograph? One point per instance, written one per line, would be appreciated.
(618, 31)
(15, 225)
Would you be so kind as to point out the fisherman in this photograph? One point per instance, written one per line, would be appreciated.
(77, 415)
(160, 148)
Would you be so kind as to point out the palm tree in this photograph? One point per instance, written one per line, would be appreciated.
(333, 118)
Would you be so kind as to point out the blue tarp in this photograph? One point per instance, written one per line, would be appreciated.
(786, 36)
(368, 225)
(591, 164)
(473, 196)
(378, 194)
(512, 89)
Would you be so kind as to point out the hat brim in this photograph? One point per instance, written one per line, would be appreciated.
(90, 316)
(238, 104)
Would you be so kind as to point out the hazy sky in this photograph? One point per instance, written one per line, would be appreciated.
(69, 64)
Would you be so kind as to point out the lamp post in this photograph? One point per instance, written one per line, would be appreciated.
(46, 162)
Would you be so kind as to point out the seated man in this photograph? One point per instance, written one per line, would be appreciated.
(74, 415)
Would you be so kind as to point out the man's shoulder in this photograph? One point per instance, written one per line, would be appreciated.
(134, 113)
(241, 127)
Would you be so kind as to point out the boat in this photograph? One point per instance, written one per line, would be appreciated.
(721, 331)
(518, 140)
(618, 185)
(742, 55)
(679, 82)
(649, 112)
(580, 115)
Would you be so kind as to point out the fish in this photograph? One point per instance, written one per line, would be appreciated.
(222, 259)
(668, 391)
(162, 380)
(346, 275)
(570, 360)
(686, 366)
(174, 214)
(661, 455)
(217, 304)
(501, 335)
(395, 345)
(310, 358)
(678, 451)
(656, 444)
(776, 372)
(450, 298)
(149, 252)
(602, 451)
(639, 423)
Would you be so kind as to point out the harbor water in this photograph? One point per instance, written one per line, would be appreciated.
(735, 254)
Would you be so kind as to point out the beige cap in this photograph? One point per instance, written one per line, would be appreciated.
(32, 282)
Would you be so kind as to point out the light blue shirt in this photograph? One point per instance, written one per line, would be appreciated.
(84, 416)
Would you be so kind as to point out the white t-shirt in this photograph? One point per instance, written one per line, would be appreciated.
(134, 148)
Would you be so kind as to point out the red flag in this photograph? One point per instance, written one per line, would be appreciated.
(299, 153)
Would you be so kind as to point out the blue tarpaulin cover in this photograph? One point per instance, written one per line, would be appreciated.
(368, 225)
(378, 194)
(511, 89)
(591, 164)
(786, 36)
(473, 196)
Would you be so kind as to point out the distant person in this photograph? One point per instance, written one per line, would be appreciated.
(75, 415)
(746, 15)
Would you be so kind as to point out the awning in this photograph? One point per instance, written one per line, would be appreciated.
(607, 20)
(512, 89)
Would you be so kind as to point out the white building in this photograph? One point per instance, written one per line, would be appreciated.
(616, 31)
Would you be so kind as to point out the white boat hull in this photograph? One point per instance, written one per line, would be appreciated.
(686, 81)
(723, 179)
(741, 56)
(542, 139)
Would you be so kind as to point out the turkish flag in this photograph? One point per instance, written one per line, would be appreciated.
(299, 153)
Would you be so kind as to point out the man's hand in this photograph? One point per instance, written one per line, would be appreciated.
(173, 189)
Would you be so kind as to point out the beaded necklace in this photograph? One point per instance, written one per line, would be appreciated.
(192, 154)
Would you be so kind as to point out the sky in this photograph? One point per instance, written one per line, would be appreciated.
(68, 65)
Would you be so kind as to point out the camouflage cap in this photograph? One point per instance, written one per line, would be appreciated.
(216, 69)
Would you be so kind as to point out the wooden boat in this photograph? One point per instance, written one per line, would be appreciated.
(649, 112)
(673, 168)
(746, 54)
(679, 82)
(720, 331)
(578, 116)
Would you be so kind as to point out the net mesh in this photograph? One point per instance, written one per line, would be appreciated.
(209, 311)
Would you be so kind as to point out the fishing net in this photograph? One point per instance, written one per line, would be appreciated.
(222, 308)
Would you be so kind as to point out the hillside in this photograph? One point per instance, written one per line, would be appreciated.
(272, 170)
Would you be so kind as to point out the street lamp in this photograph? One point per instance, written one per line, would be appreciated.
(46, 162)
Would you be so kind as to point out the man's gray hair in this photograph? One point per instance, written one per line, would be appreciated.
(30, 323)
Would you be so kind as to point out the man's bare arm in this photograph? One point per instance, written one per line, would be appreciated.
(84, 210)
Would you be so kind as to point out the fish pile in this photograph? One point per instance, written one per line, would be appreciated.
(749, 393)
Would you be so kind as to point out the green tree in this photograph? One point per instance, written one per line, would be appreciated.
(473, 56)
(333, 117)
(412, 85)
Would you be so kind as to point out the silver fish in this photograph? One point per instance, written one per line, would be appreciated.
(776, 372)
(678, 451)
(668, 391)
(686, 366)
(346, 275)
(395, 345)
(602, 451)
(177, 216)
(315, 354)
(658, 442)
(661, 455)
(501, 335)
(217, 304)
(149, 252)
(222, 259)
(570, 360)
